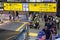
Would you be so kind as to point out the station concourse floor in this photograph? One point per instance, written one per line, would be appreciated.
(35, 31)
(14, 25)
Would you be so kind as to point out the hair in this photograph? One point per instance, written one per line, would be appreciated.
(55, 30)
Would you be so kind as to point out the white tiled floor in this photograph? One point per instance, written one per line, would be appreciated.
(36, 30)
(4, 22)
(32, 38)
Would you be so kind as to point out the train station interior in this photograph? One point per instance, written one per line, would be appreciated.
(29, 20)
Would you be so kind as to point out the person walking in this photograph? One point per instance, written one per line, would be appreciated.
(47, 32)
(45, 17)
(1, 18)
(37, 21)
(30, 20)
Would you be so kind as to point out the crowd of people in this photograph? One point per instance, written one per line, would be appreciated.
(49, 32)
(34, 21)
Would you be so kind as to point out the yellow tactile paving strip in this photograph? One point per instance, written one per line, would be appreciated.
(33, 34)
(21, 26)
(30, 33)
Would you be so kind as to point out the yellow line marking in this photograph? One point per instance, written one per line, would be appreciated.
(16, 21)
(30, 34)
(21, 26)
(33, 34)
(11, 37)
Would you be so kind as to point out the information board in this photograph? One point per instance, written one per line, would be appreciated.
(13, 6)
(42, 7)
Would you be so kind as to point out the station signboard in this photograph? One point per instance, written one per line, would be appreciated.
(42, 7)
(39, 7)
(13, 6)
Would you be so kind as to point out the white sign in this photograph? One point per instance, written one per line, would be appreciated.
(25, 7)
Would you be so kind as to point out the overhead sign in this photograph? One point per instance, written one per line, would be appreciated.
(13, 6)
(42, 7)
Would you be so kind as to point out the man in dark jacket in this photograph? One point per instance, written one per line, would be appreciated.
(46, 17)
(49, 24)
(47, 32)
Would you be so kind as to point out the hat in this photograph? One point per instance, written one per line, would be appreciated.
(40, 34)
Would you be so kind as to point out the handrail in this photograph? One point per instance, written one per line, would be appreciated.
(21, 26)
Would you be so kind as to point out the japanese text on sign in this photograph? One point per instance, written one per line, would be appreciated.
(13, 6)
(42, 7)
